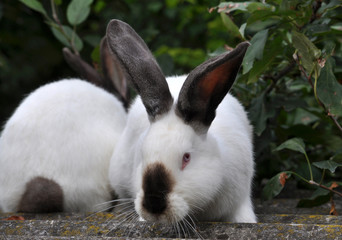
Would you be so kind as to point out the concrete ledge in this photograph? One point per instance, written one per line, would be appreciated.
(105, 226)
(289, 206)
(273, 224)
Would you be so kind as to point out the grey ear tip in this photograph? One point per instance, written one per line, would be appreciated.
(114, 23)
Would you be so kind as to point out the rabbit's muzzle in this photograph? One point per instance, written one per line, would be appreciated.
(157, 184)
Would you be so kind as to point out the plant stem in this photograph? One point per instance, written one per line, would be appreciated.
(314, 86)
(326, 188)
(55, 17)
(299, 176)
(336, 122)
(309, 165)
(312, 182)
(322, 178)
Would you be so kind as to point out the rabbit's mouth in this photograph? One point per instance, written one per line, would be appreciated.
(175, 210)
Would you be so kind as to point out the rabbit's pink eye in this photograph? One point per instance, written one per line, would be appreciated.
(186, 160)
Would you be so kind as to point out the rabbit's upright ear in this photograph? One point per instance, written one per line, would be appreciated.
(141, 68)
(114, 77)
(81, 67)
(206, 86)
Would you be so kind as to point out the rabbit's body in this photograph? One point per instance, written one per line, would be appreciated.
(64, 132)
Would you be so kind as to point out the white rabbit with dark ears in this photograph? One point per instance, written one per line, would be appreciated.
(56, 147)
(191, 159)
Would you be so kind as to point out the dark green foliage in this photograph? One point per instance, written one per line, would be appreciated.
(290, 81)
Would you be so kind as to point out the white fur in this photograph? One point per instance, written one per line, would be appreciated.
(214, 186)
(65, 131)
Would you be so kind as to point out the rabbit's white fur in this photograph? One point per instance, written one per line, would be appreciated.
(65, 131)
(214, 186)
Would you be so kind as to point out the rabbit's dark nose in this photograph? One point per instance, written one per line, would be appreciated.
(154, 204)
(157, 184)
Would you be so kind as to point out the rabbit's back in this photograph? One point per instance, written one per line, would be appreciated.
(64, 131)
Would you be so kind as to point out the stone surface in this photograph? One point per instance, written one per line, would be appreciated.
(277, 219)
(289, 206)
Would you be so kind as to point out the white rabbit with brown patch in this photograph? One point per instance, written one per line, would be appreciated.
(186, 151)
(56, 147)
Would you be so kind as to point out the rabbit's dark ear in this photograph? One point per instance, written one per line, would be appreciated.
(206, 86)
(81, 67)
(114, 78)
(141, 68)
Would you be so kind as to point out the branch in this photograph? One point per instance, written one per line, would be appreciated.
(275, 78)
(308, 77)
(315, 9)
(326, 188)
(55, 17)
(335, 121)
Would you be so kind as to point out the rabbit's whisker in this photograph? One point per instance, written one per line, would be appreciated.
(192, 226)
(115, 201)
(126, 215)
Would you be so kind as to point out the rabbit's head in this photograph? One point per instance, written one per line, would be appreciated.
(181, 164)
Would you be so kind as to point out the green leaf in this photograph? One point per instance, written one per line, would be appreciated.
(337, 26)
(230, 25)
(329, 91)
(294, 144)
(274, 186)
(242, 29)
(260, 111)
(319, 28)
(256, 6)
(328, 7)
(258, 114)
(229, 7)
(258, 17)
(331, 165)
(319, 197)
(302, 116)
(255, 51)
(259, 67)
(251, 7)
(35, 5)
(307, 51)
(67, 37)
(78, 11)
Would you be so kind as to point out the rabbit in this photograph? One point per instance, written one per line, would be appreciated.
(186, 151)
(56, 147)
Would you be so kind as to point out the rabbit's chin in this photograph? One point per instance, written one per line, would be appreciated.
(177, 209)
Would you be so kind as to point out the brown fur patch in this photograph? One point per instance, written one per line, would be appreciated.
(42, 195)
(157, 184)
(114, 197)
